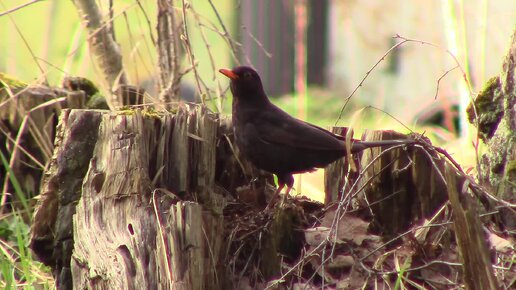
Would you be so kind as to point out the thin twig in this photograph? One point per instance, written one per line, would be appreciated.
(149, 25)
(441, 78)
(23, 150)
(464, 76)
(399, 237)
(260, 45)
(212, 61)
(186, 40)
(19, 7)
(390, 115)
(33, 55)
(226, 34)
(366, 75)
(46, 148)
(162, 238)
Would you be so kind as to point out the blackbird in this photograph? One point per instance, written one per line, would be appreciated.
(276, 142)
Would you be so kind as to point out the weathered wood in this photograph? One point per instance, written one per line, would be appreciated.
(129, 231)
(28, 117)
(493, 112)
(114, 246)
(179, 150)
(169, 51)
(51, 231)
(103, 45)
(203, 137)
(130, 200)
(405, 181)
(405, 185)
(194, 240)
(334, 174)
(478, 271)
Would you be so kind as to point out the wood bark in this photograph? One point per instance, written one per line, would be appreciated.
(105, 219)
(170, 53)
(334, 175)
(103, 45)
(473, 249)
(493, 112)
(28, 119)
(402, 185)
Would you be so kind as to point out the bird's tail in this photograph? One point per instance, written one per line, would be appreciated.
(358, 146)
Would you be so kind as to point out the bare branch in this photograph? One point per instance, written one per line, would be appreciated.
(189, 52)
(168, 52)
(103, 46)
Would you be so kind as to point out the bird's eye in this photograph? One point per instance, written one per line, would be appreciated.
(247, 75)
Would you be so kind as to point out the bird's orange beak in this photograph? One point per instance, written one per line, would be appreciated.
(229, 73)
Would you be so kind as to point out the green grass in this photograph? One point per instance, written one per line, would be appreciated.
(16, 185)
(18, 269)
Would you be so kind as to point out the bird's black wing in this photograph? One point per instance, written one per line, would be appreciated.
(277, 127)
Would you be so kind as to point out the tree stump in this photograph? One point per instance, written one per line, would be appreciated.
(397, 185)
(105, 218)
(130, 200)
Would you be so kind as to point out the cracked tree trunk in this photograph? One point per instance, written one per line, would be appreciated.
(105, 221)
(493, 112)
(399, 186)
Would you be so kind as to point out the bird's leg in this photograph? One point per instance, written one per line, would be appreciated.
(287, 179)
(275, 196)
(283, 179)
(286, 195)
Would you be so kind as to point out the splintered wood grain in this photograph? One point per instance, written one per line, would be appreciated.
(203, 142)
(401, 184)
(474, 253)
(114, 246)
(129, 230)
(179, 151)
(334, 174)
(51, 230)
(190, 238)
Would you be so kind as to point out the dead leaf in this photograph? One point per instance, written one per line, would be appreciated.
(500, 244)
(315, 236)
(341, 261)
(350, 228)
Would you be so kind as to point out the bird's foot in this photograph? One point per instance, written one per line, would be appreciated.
(272, 202)
(285, 196)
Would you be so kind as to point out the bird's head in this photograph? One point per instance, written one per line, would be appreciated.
(246, 84)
